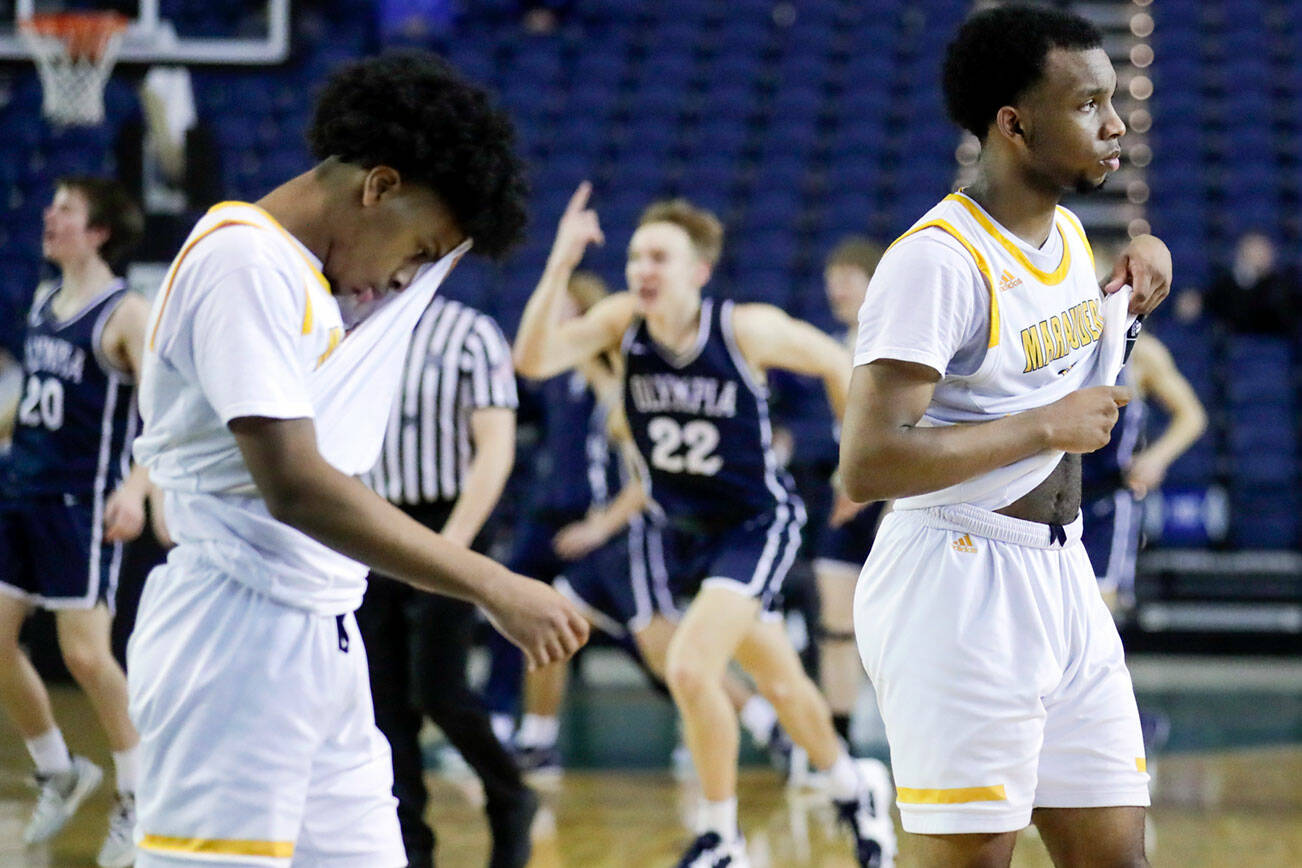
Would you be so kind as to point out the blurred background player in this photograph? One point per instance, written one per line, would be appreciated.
(258, 738)
(1116, 479)
(696, 406)
(572, 534)
(843, 545)
(448, 450)
(64, 505)
(595, 470)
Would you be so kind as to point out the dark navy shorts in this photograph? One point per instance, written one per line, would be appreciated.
(851, 542)
(53, 553)
(1113, 525)
(600, 583)
(752, 556)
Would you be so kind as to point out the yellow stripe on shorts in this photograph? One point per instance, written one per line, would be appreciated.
(218, 846)
(951, 796)
(1141, 763)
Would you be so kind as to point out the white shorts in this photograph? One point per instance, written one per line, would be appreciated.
(258, 743)
(999, 672)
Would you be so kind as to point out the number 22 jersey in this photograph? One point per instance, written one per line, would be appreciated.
(701, 423)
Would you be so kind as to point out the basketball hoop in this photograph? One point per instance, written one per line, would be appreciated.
(74, 53)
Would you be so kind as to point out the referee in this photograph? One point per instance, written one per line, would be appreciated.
(447, 453)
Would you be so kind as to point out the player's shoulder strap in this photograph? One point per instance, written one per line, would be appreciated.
(45, 291)
(978, 258)
(233, 214)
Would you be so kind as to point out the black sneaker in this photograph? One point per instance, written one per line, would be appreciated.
(540, 763)
(711, 851)
(868, 816)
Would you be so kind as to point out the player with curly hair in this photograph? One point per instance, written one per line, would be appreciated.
(274, 350)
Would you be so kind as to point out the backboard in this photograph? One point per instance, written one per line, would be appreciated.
(248, 32)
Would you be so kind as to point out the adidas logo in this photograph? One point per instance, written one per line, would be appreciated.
(1008, 280)
(964, 544)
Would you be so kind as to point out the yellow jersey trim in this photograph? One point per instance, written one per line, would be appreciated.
(176, 268)
(981, 264)
(952, 796)
(1080, 230)
(1051, 278)
(1141, 763)
(336, 335)
(218, 846)
(294, 242)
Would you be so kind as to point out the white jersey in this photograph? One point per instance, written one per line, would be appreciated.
(1007, 326)
(246, 325)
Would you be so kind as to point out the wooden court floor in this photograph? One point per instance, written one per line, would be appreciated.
(1227, 792)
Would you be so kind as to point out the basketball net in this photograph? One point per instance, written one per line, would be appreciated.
(74, 53)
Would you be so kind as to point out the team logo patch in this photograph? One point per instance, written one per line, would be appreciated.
(965, 545)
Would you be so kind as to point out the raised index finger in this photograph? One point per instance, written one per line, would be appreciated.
(579, 200)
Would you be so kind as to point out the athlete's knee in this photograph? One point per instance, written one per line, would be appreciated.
(688, 677)
(86, 659)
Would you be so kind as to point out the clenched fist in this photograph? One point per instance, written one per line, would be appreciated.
(546, 626)
(1083, 420)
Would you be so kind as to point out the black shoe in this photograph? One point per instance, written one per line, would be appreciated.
(709, 850)
(540, 764)
(510, 825)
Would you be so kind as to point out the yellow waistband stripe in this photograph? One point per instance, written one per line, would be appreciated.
(1141, 763)
(951, 796)
(218, 846)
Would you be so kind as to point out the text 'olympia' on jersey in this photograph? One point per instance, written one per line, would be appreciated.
(701, 422)
(76, 412)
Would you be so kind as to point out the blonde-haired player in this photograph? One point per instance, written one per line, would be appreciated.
(695, 399)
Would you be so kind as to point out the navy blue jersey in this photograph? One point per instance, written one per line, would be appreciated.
(701, 422)
(1101, 470)
(574, 454)
(76, 417)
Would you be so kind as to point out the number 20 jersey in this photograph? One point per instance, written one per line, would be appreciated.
(76, 417)
(701, 422)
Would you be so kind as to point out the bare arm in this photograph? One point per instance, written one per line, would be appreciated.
(546, 343)
(1157, 375)
(884, 454)
(9, 405)
(305, 492)
(123, 343)
(769, 338)
(592, 531)
(492, 430)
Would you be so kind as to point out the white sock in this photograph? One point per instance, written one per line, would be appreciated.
(758, 716)
(843, 778)
(537, 730)
(50, 753)
(126, 764)
(503, 727)
(720, 817)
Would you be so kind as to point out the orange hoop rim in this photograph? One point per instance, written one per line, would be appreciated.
(84, 33)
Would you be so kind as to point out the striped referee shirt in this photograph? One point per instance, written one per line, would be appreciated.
(459, 362)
